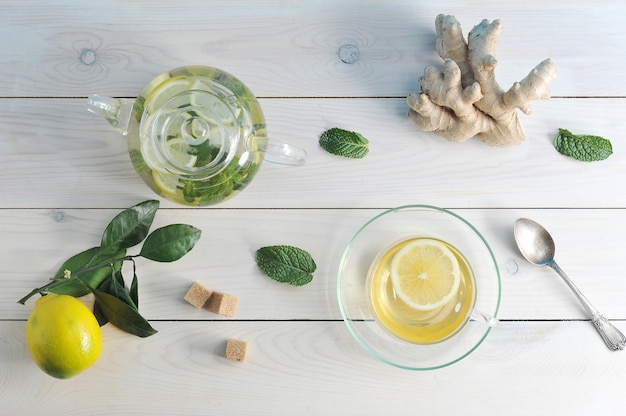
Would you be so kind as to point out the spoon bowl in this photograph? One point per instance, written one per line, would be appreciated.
(537, 246)
(534, 242)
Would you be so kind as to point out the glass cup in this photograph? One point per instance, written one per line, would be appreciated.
(401, 336)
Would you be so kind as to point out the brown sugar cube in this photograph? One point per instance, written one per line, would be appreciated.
(222, 303)
(198, 295)
(236, 350)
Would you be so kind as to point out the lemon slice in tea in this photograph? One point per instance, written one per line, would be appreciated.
(425, 274)
(177, 151)
(165, 91)
(181, 153)
(211, 106)
(167, 183)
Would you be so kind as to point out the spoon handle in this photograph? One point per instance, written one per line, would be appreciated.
(612, 336)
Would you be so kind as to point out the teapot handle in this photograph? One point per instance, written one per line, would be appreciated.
(116, 111)
(283, 153)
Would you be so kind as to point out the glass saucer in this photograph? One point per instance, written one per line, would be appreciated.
(401, 223)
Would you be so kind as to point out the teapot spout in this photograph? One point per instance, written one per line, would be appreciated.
(116, 111)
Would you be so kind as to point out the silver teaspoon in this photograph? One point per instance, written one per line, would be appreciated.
(537, 246)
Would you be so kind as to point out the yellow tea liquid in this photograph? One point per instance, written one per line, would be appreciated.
(409, 324)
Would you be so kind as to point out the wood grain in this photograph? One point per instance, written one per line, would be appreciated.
(315, 368)
(56, 154)
(223, 260)
(116, 47)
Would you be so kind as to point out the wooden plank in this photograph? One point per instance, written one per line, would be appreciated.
(223, 260)
(316, 368)
(56, 154)
(116, 48)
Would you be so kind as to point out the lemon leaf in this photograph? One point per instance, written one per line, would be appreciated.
(134, 289)
(344, 143)
(114, 286)
(92, 278)
(129, 227)
(170, 243)
(102, 320)
(122, 315)
(118, 289)
(286, 264)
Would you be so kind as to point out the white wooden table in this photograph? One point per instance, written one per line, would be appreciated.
(64, 174)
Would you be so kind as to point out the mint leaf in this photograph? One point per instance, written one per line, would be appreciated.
(344, 143)
(286, 264)
(582, 147)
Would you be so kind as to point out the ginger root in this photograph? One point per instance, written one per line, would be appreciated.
(464, 100)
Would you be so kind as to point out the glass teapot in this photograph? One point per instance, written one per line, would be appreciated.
(196, 134)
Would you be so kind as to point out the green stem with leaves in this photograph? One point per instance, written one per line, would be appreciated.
(75, 277)
(85, 272)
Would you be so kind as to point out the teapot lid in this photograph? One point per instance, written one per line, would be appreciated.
(194, 134)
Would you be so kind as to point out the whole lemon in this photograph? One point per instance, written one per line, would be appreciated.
(63, 335)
